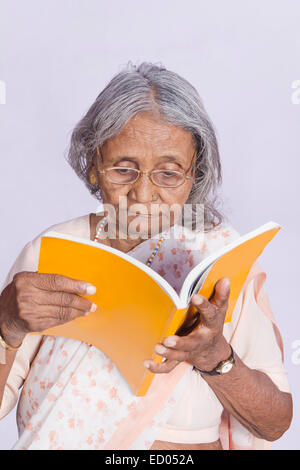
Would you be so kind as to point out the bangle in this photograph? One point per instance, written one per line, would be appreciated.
(7, 346)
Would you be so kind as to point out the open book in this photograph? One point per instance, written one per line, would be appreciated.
(137, 308)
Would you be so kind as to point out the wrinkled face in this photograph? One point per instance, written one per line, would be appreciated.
(147, 143)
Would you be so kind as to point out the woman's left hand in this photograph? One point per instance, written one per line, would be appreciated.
(205, 346)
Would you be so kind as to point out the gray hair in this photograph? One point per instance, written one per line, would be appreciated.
(151, 87)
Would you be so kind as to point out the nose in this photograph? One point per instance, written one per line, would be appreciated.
(143, 188)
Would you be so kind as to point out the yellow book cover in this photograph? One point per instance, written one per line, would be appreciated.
(137, 308)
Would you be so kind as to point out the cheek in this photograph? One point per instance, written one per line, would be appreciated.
(110, 193)
(178, 196)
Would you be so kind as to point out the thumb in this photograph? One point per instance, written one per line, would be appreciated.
(221, 293)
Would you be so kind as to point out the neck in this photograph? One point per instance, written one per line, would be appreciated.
(121, 244)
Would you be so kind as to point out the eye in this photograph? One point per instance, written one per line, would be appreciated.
(167, 178)
(123, 171)
(121, 175)
(169, 174)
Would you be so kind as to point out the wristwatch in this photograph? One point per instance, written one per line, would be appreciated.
(222, 368)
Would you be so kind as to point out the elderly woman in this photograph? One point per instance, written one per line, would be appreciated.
(148, 139)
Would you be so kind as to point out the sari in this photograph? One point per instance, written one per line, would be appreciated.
(74, 397)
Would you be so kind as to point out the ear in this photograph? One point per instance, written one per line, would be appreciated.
(92, 172)
(92, 177)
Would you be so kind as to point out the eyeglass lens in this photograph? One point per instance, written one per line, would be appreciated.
(124, 175)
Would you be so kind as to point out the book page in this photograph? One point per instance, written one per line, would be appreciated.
(196, 273)
(234, 264)
(198, 283)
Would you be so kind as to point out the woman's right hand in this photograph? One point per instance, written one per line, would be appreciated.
(33, 302)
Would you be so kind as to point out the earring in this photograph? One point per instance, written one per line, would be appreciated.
(93, 179)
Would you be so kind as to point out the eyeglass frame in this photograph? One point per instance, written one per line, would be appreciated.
(146, 172)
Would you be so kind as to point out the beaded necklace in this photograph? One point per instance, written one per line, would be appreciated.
(103, 223)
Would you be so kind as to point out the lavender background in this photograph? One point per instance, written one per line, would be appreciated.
(243, 57)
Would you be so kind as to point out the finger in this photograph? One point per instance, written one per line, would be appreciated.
(185, 344)
(48, 318)
(65, 299)
(57, 282)
(191, 321)
(171, 354)
(208, 311)
(162, 368)
(38, 325)
(60, 314)
(221, 293)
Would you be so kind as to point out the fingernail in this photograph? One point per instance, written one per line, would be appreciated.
(146, 364)
(170, 342)
(93, 308)
(226, 282)
(160, 349)
(197, 299)
(90, 289)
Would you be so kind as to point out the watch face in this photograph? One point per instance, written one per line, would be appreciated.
(226, 367)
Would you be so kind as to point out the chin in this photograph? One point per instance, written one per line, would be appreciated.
(146, 227)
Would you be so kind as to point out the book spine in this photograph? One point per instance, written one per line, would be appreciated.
(171, 330)
(147, 381)
(176, 321)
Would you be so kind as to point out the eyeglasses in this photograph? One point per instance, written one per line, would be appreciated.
(162, 178)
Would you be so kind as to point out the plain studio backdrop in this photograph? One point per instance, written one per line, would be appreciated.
(243, 57)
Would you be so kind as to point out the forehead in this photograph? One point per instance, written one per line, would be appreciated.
(149, 133)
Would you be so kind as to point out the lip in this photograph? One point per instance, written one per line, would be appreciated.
(141, 214)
